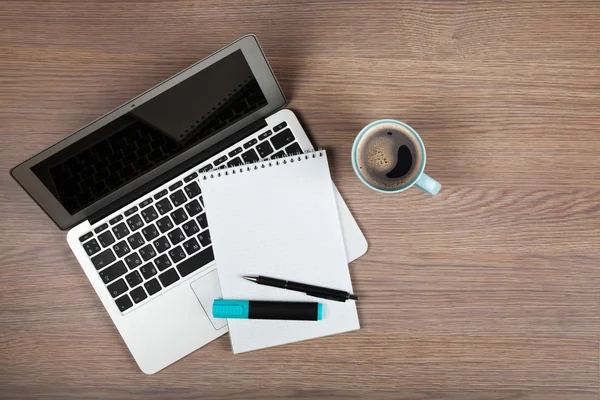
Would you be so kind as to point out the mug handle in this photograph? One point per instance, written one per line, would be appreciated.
(428, 184)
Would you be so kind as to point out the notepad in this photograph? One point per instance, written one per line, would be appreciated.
(279, 219)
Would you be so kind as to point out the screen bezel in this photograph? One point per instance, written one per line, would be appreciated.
(261, 69)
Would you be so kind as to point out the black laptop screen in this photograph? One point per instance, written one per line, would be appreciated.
(151, 134)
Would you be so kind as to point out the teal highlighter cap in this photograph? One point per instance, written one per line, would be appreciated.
(230, 308)
(320, 312)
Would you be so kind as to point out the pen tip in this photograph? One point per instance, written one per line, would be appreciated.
(250, 278)
(353, 297)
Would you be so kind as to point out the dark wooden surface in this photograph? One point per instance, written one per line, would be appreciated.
(488, 291)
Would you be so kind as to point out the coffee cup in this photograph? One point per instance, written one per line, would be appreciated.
(389, 156)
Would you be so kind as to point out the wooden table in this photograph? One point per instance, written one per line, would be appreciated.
(489, 290)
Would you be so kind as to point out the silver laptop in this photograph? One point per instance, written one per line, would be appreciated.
(126, 187)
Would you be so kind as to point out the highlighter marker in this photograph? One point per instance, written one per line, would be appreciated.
(254, 309)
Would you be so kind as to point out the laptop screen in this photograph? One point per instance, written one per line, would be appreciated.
(152, 133)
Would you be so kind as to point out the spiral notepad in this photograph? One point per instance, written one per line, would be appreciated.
(278, 218)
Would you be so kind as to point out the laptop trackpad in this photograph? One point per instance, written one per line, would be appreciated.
(207, 289)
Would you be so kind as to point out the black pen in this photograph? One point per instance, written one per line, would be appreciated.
(311, 290)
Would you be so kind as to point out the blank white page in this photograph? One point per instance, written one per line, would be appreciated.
(278, 219)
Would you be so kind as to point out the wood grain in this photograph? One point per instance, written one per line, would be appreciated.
(489, 290)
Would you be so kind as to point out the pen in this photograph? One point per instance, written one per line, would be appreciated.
(255, 309)
(311, 290)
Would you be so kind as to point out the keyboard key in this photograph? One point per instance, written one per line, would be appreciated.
(202, 220)
(220, 160)
(193, 207)
(293, 148)
(91, 247)
(190, 177)
(135, 223)
(178, 198)
(164, 224)
(101, 228)
(138, 294)
(146, 202)
(115, 219)
(206, 168)
(150, 232)
(280, 126)
(124, 303)
(148, 270)
(147, 252)
(190, 228)
(179, 216)
(175, 186)
(162, 262)
(149, 214)
(162, 244)
(164, 206)
(85, 237)
(152, 286)
(106, 239)
(176, 236)
(121, 248)
(169, 277)
(264, 149)
(120, 230)
(133, 260)
(191, 246)
(282, 138)
(250, 143)
(134, 278)
(130, 211)
(279, 154)
(160, 194)
(117, 288)
(264, 135)
(192, 190)
(177, 254)
(235, 162)
(204, 238)
(135, 240)
(250, 156)
(103, 259)
(111, 273)
(196, 262)
(234, 152)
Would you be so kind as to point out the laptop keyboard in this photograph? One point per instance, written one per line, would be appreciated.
(155, 243)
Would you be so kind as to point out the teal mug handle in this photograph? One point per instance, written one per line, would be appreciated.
(428, 184)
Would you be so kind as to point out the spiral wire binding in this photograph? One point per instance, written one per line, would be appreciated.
(226, 171)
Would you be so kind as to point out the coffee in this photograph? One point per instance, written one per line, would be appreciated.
(389, 156)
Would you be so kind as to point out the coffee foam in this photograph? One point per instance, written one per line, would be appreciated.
(377, 155)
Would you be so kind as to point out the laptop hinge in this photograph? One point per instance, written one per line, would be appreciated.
(178, 170)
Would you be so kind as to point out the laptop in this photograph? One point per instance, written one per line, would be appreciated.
(126, 187)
